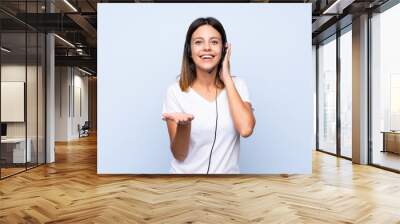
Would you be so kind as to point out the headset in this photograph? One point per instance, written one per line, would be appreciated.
(216, 104)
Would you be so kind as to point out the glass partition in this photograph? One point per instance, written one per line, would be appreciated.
(327, 96)
(31, 100)
(385, 82)
(22, 89)
(346, 93)
(41, 87)
(13, 105)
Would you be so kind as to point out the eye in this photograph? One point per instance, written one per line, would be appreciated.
(214, 42)
(197, 42)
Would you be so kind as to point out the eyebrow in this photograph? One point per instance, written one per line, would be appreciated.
(203, 38)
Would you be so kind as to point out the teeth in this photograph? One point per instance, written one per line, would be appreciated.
(206, 57)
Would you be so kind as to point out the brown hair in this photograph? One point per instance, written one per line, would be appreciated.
(188, 70)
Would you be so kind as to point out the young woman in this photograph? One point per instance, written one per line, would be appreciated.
(207, 110)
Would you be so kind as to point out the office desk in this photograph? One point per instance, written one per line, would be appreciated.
(13, 150)
(391, 141)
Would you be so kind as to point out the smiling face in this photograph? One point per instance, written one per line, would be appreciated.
(206, 47)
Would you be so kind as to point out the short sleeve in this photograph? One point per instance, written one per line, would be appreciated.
(241, 87)
(171, 104)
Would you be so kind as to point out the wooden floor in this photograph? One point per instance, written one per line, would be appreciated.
(5, 172)
(70, 191)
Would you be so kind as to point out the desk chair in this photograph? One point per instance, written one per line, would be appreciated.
(84, 130)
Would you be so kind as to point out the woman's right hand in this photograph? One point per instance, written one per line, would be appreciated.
(178, 118)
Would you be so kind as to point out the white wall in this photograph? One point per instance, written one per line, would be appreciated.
(61, 103)
(80, 83)
(271, 51)
(69, 82)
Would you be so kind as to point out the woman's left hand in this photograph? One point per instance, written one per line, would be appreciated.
(225, 73)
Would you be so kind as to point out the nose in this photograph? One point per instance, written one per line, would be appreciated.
(207, 46)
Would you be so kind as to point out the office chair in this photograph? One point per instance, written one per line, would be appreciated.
(84, 130)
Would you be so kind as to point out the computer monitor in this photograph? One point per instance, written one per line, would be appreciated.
(3, 129)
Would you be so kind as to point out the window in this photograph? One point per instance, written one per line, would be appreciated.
(327, 96)
(385, 88)
(346, 93)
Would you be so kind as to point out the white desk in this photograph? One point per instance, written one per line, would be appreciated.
(18, 145)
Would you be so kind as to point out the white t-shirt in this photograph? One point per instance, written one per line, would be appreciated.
(225, 155)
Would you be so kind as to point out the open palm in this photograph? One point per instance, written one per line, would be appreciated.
(179, 118)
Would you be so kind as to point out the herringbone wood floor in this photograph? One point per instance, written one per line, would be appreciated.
(70, 191)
